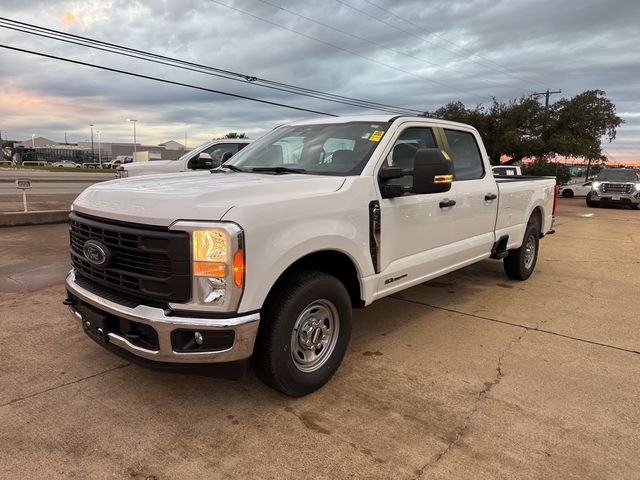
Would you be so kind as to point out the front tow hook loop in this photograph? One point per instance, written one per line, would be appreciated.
(69, 302)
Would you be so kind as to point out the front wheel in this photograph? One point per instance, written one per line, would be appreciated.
(521, 262)
(304, 333)
(591, 203)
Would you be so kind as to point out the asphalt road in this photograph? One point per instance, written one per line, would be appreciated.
(470, 375)
(50, 190)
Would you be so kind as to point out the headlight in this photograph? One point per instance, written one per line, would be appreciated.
(217, 265)
(595, 185)
(638, 187)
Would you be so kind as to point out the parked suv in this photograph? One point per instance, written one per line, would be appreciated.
(617, 186)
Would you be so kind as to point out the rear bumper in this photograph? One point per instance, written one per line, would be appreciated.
(84, 303)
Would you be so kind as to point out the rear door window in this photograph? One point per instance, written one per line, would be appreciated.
(465, 154)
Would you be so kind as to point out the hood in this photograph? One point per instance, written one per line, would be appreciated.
(135, 166)
(205, 196)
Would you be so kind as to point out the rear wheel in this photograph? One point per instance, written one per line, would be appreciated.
(567, 193)
(304, 333)
(521, 262)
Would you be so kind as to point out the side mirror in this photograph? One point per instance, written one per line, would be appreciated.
(432, 171)
(226, 156)
(201, 162)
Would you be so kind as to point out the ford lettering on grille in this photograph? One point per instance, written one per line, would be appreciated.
(96, 253)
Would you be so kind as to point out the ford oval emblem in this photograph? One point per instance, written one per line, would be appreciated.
(96, 253)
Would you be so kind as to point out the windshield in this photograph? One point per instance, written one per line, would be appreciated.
(326, 149)
(617, 176)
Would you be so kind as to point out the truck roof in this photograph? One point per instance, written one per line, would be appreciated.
(374, 119)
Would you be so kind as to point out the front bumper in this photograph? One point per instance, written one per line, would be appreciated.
(245, 328)
(620, 198)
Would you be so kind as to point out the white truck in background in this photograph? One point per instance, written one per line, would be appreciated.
(506, 170)
(265, 257)
(205, 157)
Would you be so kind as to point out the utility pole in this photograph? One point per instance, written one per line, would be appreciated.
(546, 94)
(92, 154)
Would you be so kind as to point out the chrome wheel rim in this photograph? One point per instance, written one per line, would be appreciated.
(314, 335)
(529, 252)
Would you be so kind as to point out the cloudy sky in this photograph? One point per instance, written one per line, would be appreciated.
(408, 53)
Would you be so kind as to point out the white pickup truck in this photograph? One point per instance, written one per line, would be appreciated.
(265, 257)
(207, 156)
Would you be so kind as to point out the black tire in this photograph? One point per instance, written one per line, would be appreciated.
(567, 193)
(277, 344)
(590, 203)
(635, 206)
(519, 264)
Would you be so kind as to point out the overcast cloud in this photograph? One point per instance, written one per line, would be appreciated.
(463, 50)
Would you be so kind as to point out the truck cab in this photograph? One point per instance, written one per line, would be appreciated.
(205, 157)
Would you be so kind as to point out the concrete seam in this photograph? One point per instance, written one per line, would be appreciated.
(518, 325)
(27, 397)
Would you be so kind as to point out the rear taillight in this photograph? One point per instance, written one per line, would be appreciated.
(555, 198)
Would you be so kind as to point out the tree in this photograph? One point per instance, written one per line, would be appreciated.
(523, 128)
(235, 135)
(542, 167)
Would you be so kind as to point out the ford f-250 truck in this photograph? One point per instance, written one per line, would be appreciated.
(265, 257)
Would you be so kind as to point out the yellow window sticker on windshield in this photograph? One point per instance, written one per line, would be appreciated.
(376, 136)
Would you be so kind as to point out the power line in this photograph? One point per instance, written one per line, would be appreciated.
(372, 42)
(364, 12)
(337, 47)
(170, 82)
(199, 68)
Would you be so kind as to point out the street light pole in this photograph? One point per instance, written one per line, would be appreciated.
(92, 152)
(99, 147)
(134, 136)
(33, 140)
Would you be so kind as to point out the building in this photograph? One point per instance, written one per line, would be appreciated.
(44, 149)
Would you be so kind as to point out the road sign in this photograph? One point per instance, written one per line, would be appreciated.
(23, 183)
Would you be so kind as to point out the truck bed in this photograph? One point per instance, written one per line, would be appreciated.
(517, 194)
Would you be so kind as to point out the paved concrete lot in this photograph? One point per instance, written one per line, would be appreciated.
(51, 190)
(471, 375)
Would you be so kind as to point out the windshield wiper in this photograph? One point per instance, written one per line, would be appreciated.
(233, 168)
(278, 169)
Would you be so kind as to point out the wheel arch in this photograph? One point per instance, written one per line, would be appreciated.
(332, 262)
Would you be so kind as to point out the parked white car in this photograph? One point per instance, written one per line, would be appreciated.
(575, 189)
(205, 157)
(65, 164)
(265, 257)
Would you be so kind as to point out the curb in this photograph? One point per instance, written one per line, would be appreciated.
(41, 217)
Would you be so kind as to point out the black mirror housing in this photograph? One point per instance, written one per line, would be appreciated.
(432, 171)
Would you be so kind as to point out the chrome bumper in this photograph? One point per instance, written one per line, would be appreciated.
(245, 328)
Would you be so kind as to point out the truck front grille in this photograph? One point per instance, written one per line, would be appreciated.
(147, 263)
(616, 188)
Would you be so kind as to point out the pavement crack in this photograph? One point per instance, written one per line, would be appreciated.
(66, 384)
(481, 395)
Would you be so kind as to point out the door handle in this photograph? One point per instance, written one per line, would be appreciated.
(490, 196)
(447, 203)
